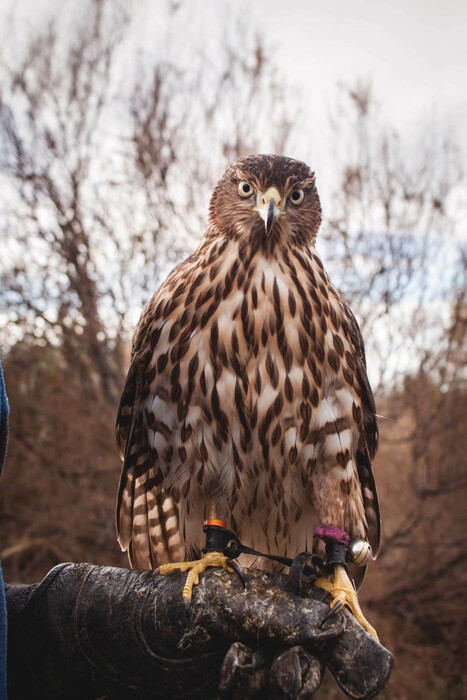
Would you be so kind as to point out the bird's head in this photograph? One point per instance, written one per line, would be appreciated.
(268, 198)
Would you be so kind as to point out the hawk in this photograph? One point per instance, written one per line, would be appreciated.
(247, 394)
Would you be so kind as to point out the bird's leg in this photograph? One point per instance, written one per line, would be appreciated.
(212, 511)
(197, 567)
(343, 593)
(340, 586)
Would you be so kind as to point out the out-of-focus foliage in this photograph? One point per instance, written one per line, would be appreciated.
(57, 495)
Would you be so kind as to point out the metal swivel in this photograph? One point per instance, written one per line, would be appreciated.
(359, 552)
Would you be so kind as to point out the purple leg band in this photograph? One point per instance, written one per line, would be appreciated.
(330, 533)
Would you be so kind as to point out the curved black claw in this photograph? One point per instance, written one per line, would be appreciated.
(338, 606)
(237, 570)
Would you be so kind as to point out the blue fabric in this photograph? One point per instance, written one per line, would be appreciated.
(4, 413)
(4, 407)
(3, 640)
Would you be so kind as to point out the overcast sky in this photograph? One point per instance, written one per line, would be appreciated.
(414, 50)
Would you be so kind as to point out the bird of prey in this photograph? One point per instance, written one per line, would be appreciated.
(247, 398)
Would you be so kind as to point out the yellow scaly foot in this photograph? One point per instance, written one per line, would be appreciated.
(342, 590)
(196, 568)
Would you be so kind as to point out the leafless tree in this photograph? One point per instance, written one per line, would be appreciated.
(395, 238)
(52, 108)
(106, 179)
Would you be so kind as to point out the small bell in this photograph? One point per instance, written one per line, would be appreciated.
(359, 552)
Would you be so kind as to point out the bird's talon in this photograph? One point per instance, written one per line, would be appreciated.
(238, 571)
(335, 607)
(343, 593)
(215, 559)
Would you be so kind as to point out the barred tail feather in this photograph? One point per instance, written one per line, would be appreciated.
(124, 519)
(124, 421)
(156, 541)
(147, 522)
(139, 546)
(168, 514)
(370, 501)
(164, 533)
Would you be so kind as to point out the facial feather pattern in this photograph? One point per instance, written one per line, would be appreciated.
(247, 385)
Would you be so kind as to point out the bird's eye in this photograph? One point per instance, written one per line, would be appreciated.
(297, 197)
(245, 189)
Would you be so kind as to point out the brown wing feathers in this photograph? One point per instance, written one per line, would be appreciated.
(369, 442)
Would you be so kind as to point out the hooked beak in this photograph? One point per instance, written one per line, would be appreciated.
(269, 209)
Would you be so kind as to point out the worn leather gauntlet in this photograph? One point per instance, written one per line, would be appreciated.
(100, 632)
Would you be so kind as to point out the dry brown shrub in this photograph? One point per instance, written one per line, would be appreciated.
(59, 486)
(58, 493)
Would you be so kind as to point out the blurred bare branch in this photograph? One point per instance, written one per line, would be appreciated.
(394, 238)
(107, 181)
